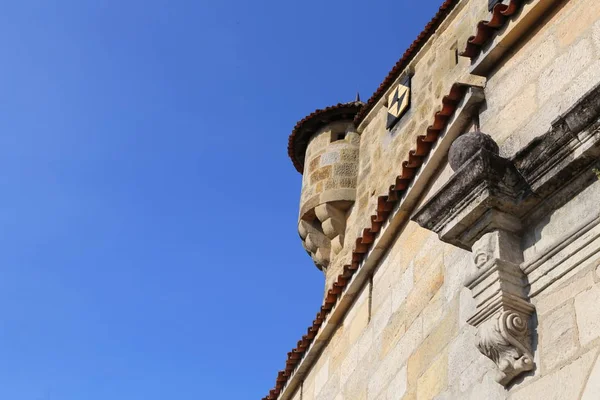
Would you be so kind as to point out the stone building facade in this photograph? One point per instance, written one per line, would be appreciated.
(456, 216)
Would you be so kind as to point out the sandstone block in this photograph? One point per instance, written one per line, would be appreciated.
(434, 380)
(575, 25)
(423, 291)
(487, 389)
(397, 387)
(401, 346)
(348, 365)
(463, 356)
(392, 332)
(358, 324)
(331, 388)
(564, 69)
(592, 388)
(549, 302)
(433, 345)
(558, 336)
(596, 34)
(563, 384)
(402, 288)
(321, 377)
(587, 307)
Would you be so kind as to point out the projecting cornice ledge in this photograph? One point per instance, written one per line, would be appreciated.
(482, 195)
(487, 203)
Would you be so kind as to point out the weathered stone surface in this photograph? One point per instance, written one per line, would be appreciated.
(433, 345)
(487, 389)
(463, 356)
(435, 378)
(558, 337)
(546, 303)
(406, 343)
(349, 364)
(563, 384)
(467, 145)
(489, 182)
(402, 288)
(587, 307)
(322, 376)
(387, 370)
(398, 385)
(564, 69)
(592, 388)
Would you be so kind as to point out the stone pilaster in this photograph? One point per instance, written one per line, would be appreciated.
(503, 308)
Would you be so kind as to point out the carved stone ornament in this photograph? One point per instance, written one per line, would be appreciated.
(504, 339)
(487, 204)
(475, 210)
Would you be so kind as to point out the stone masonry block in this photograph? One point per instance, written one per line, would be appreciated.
(564, 69)
(558, 337)
(345, 169)
(563, 384)
(592, 388)
(555, 298)
(587, 307)
(314, 164)
(435, 378)
(322, 377)
(329, 158)
(397, 387)
(320, 174)
(349, 155)
(575, 25)
(433, 345)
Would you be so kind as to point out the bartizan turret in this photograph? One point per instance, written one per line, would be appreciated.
(324, 148)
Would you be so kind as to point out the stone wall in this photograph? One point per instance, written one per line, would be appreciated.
(406, 335)
(434, 70)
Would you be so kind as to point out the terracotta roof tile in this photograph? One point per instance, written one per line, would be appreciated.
(487, 29)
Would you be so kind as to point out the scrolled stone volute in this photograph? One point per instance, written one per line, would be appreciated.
(465, 147)
(504, 339)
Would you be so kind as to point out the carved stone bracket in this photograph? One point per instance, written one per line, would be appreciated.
(485, 205)
(316, 244)
(475, 210)
(504, 339)
(503, 309)
(323, 236)
(333, 222)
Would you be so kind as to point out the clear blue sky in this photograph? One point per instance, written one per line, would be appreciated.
(148, 244)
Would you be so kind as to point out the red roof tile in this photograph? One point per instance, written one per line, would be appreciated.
(487, 29)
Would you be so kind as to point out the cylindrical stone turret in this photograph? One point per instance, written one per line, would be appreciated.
(324, 148)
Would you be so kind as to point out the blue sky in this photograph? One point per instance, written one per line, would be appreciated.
(148, 244)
